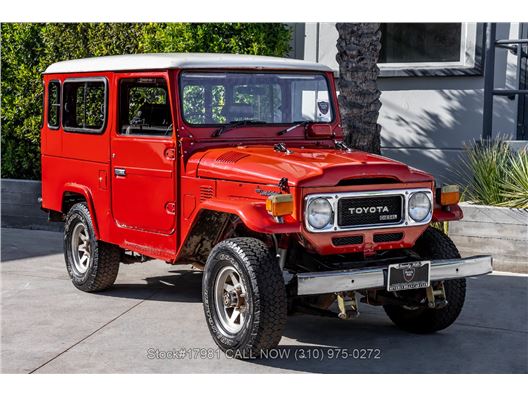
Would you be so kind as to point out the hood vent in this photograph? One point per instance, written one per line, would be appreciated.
(231, 157)
(367, 181)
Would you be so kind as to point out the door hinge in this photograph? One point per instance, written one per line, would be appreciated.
(170, 153)
(103, 183)
(170, 207)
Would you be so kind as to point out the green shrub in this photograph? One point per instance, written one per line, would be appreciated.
(27, 49)
(495, 175)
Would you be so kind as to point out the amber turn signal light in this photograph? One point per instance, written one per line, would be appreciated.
(279, 205)
(449, 195)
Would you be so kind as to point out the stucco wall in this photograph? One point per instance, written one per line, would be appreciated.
(426, 121)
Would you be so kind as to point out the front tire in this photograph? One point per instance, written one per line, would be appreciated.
(433, 244)
(92, 265)
(244, 297)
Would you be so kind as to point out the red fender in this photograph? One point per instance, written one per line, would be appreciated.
(87, 194)
(253, 215)
(447, 213)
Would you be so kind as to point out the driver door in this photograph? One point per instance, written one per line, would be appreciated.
(143, 158)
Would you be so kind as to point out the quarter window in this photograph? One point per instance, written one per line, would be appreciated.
(54, 104)
(84, 107)
(144, 107)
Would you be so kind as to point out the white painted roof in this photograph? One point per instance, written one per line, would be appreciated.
(183, 61)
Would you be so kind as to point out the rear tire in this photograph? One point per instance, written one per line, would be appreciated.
(244, 297)
(92, 265)
(433, 244)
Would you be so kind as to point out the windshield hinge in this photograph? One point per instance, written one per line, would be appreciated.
(340, 145)
(281, 147)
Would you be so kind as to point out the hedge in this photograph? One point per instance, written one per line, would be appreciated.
(27, 49)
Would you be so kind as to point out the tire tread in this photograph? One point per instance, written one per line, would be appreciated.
(433, 244)
(269, 291)
(106, 257)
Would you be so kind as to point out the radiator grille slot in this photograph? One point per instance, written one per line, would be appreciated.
(391, 237)
(350, 240)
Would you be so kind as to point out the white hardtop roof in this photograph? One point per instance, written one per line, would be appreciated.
(181, 61)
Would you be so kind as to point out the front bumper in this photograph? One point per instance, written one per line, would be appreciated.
(376, 277)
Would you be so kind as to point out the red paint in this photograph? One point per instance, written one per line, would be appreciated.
(169, 180)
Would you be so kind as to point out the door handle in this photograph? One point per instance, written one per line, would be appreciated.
(120, 171)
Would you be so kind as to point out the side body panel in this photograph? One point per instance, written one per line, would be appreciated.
(78, 162)
(81, 163)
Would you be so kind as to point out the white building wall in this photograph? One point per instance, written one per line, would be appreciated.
(427, 121)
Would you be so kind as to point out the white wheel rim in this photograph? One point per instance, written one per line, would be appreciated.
(230, 300)
(80, 248)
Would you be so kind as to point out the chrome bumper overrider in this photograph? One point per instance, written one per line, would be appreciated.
(375, 277)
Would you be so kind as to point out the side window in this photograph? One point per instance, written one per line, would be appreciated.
(84, 108)
(54, 104)
(144, 107)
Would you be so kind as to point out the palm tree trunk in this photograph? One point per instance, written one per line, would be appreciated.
(358, 48)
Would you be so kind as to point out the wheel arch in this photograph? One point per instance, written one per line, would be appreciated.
(75, 193)
(209, 228)
(216, 217)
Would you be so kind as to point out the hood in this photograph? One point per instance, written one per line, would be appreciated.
(303, 167)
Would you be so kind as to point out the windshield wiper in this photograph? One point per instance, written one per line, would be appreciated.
(299, 123)
(235, 124)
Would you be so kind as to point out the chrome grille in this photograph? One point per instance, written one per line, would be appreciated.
(396, 214)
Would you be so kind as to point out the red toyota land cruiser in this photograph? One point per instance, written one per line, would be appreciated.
(237, 165)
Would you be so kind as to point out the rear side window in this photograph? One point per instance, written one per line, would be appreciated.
(54, 104)
(144, 107)
(84, 107)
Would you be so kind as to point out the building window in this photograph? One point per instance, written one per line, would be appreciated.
(84, 108)
(435, 49)
(408, 49)
(420, 42)
(54, 105)
(144, 107)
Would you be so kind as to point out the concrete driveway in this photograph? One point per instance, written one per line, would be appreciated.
(152, 322)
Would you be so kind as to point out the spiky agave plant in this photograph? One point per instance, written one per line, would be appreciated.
(515, 187)
(484, 170)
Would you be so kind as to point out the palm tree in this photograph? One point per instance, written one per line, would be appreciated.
(358, 48)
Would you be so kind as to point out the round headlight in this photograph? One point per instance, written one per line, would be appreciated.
(419, 206)
(319, 213)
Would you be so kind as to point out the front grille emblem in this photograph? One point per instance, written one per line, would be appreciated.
(367, 209)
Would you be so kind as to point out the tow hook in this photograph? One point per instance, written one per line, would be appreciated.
(348, 308)
(436, 298)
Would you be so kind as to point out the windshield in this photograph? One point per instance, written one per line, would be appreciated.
(275, 98)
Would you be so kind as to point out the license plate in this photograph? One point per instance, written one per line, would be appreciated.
(408, 276)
